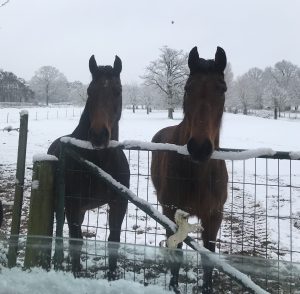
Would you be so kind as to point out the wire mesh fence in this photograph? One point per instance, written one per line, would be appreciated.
(261, 215)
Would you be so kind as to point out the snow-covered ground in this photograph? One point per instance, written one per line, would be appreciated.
(16, 281)
(262, 214)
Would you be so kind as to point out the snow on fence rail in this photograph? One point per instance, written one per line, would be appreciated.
(222, 153)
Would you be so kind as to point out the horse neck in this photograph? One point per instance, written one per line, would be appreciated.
(82, 130)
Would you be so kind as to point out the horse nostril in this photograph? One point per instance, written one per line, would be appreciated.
(200, 152)
(100, 138)
(104, 135)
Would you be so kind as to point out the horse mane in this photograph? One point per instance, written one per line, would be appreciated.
(81, 131)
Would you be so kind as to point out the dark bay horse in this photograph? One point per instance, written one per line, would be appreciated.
(98, 124)
(196, 184)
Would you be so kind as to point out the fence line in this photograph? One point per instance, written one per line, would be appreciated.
(41, 113)
(165, 222)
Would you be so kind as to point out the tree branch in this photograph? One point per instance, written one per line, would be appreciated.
(4, 3)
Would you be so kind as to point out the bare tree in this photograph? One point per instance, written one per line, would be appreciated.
(131, 95)
(4, 3)
(77, 92)
(255, 80)
(50, 84)
(243, 93)
(168, 74)
(281, 86)
(231, 101)
(14, 89)
(294, 90)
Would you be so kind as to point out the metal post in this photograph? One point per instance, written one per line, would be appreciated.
(18, 201)
(60, 217)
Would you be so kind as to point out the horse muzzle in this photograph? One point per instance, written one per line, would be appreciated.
(99, 138)
(200, 152)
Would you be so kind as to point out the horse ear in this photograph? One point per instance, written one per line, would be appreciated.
(220, 59)
(117, 65)
(93, 66)
(194, 59)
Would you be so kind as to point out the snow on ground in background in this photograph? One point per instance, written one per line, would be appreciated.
(238, 131)
(16, 281)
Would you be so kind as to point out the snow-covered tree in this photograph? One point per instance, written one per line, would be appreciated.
(2, 3)
(77, 92)
(151, 97)
(255, 80)
(243, 93)
(168, 74)
(49, 85)
(294, 90)
(131, 95)
(230, 101)
(14, 89)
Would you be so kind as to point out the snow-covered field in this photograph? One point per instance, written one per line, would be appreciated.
(262, 214)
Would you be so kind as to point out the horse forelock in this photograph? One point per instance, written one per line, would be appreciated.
(105, 71)
(205, 66)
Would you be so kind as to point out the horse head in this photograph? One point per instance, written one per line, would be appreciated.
(104, 102)
(204, 103)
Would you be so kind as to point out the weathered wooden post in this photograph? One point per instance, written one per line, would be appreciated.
(41, 213)
(18, 201)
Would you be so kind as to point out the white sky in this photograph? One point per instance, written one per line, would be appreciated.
(65, 33)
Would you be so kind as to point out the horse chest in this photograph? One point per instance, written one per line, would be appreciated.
(195, 188)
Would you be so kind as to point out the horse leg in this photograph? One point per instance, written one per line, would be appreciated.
(176, 258)
(75, 219)
(211, 227)
(117, 212)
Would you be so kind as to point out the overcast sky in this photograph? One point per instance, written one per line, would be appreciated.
(65, 33)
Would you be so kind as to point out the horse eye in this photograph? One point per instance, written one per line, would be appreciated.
(221, 88)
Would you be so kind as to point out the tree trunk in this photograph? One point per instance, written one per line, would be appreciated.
(47, 94)
(275, 113)
(170, 113)
(133, 108)
(148, 109)
(245, 111)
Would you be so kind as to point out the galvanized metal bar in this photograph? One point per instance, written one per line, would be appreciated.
(60, 205)
(19, 190)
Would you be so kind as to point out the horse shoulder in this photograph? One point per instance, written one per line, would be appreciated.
(54, 148)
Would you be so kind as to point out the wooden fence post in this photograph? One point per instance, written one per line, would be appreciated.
(18, 201)
(41, 213)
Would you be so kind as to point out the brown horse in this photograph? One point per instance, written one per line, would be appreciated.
(196, 184)
(98, 124)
